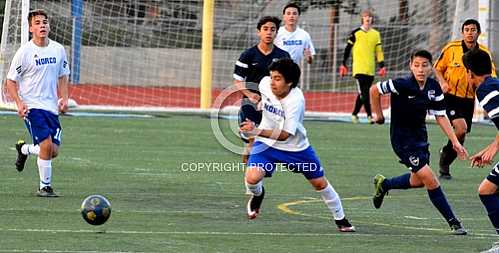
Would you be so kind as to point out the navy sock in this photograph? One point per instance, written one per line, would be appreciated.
(439, 200)
(491, 203)
(400, 182)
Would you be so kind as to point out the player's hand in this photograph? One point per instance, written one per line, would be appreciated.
(462, 153)
(248, 127)
(22, 109)
(308, 54)
(379, 119)
(253, 97)
(477, 161)
(382, 72)
(485, 156)
(343, 70)
(63, 105)
(444, 86)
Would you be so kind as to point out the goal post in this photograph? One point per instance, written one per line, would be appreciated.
(76, 13)
(207, 54)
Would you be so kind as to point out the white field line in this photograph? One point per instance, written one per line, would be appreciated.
(221, 233)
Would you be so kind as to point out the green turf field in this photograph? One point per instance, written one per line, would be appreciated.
(159, 207)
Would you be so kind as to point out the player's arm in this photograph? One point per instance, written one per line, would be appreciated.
(63, 82)
(293, 111)
(439, 69)
(490, 105)
(275, 134)
(494, 74)
(12, 82)
(12, 89)
(486, 155)
(309, 51)
(249, 128)
(308, 55)
(380, 58)
(241, 70)
(348, 49)
(444, 85)
(241, 86)
(375, 96)
(63, 86)
(446, 127)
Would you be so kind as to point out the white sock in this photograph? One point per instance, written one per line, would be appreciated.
(45, 171)
(333, 201)
(248, 192)
(256, 189)
(29, 149)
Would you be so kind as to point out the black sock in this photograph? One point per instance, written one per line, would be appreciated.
(439, 200)
(400, 182)
(491, 203)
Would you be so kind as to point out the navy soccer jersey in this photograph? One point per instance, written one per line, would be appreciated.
(409, 106)
(253, 65)
(488, 98)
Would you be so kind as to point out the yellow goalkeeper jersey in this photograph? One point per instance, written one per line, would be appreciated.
(366, 46)
(450, 64)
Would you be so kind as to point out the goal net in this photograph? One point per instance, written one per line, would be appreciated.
(146, 54)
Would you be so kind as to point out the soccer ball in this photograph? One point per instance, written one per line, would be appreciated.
(95, 209)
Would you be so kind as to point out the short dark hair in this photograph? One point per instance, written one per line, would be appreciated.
(267, 19)
(471, 22)
(37, 12)
(422, 53)
(291, 5)
(478, 62)
(288, 69)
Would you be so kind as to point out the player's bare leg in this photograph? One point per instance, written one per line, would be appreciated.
(246, 154)
(247, 150)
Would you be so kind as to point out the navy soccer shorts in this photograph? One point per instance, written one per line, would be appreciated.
(494, 175)
(270, 159)
(414, 159)
(41, 124)
(460, 108)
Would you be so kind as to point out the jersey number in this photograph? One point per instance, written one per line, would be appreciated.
(58, 133)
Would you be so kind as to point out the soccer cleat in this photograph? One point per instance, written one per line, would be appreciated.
(445, 176)
(370, 120)
(494, 249)
(457, 228)
(21, 158)
(344, 226)
(355, 119)
(379, 192)
(47, 192)
(254, 204)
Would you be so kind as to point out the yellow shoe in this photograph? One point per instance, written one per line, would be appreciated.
(355, 119)
(370, 120)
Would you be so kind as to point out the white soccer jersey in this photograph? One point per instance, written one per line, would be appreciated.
(285, 114)
(294, 42)
(37, 70)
